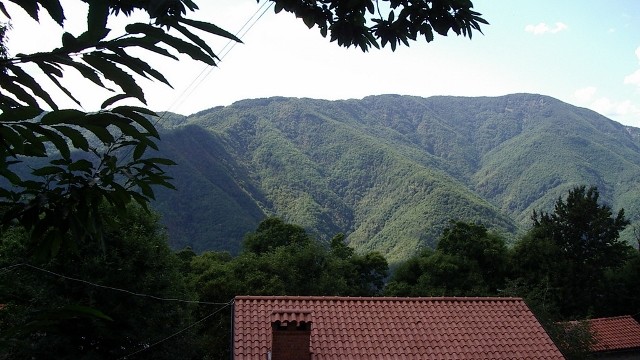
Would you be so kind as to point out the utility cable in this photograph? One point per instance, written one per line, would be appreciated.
(147, 347)
(207, 69)
(11, 267)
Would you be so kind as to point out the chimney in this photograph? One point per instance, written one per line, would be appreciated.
(291, 335)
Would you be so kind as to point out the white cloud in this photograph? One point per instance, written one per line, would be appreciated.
(543, 28)
(624, 111)
(603, 105)
(584, 95)
(633, 79)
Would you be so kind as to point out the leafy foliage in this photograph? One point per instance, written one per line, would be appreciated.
(362, 23)
(468, 261)
(64, 196)
(569, 253)
(281, 259)
(47, 312)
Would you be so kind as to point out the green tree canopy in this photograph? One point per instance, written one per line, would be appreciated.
(475, 244)
(468, 261)
(281, 259)
(273, 233)
(94, 303)
(585, 231)
(64, 196)
(394, 22)
(565, 258)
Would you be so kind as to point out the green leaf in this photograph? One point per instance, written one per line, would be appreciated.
(141, 200)
(180, 45)
(11, 139)
(62, 162)
(161, 161)
(145, 43)
(54, 8)
(66, 116)
(138, 109)
(129, 130)
(309, 21)
(195, 39)
(139, 150)
(4, 11)
(54, 238)
(77, 138)
(27, 80)
(58, 141)
(70, 43)
(30, 6)
(47, 170)
(67, 92)
(135, 64)
(110, 101)
(81, 165)
(11, 176)
(34, 145)
(146, 189)
(86, 71)
(133, 113)
(6, 103)
(20, 113)
(32, 185)
(278, 7)
(106, 118)
(10, 84)
(100, 132)
(97, 20)
(150, 143)
(112, 72)
(49, 68)
(210, 28)
(86, 311)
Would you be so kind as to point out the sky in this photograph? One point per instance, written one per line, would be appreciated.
(586, 53)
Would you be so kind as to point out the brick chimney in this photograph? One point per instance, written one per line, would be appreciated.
(291, 335)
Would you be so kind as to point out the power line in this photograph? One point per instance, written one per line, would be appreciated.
(11, 267)
(147, 347)
(207, 69)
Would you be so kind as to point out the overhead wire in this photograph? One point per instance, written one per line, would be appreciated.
(207, 69)
(147, 347)
(53, 273)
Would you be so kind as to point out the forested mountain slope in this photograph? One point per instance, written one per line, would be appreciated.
(388, 171)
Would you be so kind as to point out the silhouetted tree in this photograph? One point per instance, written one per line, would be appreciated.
(568, 253)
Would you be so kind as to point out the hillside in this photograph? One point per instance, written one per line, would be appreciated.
(389, 171)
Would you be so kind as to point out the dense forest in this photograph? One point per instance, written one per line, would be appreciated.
(135, 298)
(384, 196)
(389, 171)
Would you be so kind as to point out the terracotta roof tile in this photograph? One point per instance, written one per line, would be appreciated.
(398, 328)
(615, 333)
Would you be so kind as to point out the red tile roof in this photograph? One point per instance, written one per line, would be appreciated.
(615, 333)
(397, 328)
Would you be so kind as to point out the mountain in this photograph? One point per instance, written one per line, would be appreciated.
(389, 171)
